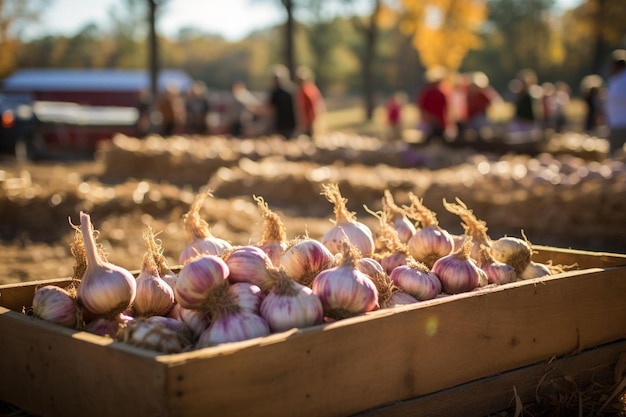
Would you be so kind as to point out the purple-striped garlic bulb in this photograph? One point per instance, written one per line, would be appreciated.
(416, 279)
(346, 226)
(201, 240)
(344, 290)
(290, 304)
(274, 238)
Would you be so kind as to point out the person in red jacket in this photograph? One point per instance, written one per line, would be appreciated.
(309, 102)
(480, 97)
(432, 103)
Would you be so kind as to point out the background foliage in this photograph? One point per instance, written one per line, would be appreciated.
(404, 37)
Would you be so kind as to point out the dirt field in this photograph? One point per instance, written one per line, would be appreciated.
(564, 200)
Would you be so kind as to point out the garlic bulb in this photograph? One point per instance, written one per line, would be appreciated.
(196, 320)
(105, 289)
(397, 218)
(249, 264)
(198, 278)
(417, 280)
(201, 240)
(229, 321)
(430, 242)
(108, 326)
(274, 239)
(344, 290)
(458, 272)
(535, 270)
(399, 298)
(233, 327)
(305, 258)
(391, 250)
(346, 226)
(155, 333)
(513, 251)
(154, 296)
(56, 305)
(473, 227)
(290, 304)
(392, 260)
(375, 271)
(497, 272)
(247, 296)
(155, 249)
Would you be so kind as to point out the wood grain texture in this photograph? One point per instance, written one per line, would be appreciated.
(495, 393)
(52, 371)
(362, 363)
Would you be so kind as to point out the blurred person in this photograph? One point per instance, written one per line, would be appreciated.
(591, 88)
(527, 104)
(144, 104)
(480, 97)
(393, 110)
(458, 103)
(172, 110)
(432, 103)
(197, 107)
(548, 104)
(242, 110)
(561, 101)
(281, 107)
(615, 104)
(309, 102)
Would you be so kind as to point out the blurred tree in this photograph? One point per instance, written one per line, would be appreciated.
(15, 15)
(525, 31)
(444, 30)
(369, 27)
(289, 35)
(79, 49)
(128, 28)
(398, 64)
(331, 52)
(603, 21)
(329, 42)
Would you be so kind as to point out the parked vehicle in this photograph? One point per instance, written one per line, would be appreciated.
(19, 126)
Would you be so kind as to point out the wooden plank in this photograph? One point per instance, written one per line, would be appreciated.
(357, 364)
(583, 259)
(52, 371)
(496, 393)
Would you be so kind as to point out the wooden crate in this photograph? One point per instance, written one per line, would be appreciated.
(388, 362)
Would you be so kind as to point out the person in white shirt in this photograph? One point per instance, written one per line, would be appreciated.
(615, 102)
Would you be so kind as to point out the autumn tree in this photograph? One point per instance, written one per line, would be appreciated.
(444, 30)
(14, 16)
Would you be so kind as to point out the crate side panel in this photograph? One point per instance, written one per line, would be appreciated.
(407, 352)
(494, 394)
(582, 259)
(58, 372)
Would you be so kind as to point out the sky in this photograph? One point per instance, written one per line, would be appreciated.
(233, 19)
